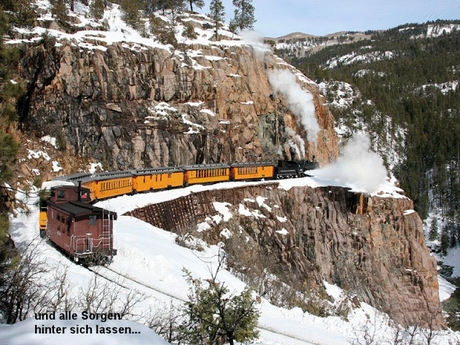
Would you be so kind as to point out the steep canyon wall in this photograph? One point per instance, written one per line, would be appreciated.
(132, 107)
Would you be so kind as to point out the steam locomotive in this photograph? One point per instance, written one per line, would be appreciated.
(84, 231)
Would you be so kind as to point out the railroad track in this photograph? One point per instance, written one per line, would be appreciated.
(260, 327)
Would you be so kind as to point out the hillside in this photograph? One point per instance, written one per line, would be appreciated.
(401, 86)
(300, 45)
(150, 263)
(337, 256)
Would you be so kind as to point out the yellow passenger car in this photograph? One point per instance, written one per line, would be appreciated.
(107, 185)
(43, 221)
(159, 178)
(209, 173)
(252, 171)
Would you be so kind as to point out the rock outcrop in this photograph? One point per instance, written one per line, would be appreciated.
(109, 104)
(372, 247)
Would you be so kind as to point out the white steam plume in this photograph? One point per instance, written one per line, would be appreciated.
(256, 40)
(357, 167)
(300, 101)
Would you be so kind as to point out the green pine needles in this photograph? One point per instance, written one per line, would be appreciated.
(215, 316)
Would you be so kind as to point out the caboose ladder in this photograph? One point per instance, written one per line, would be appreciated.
(106, 229)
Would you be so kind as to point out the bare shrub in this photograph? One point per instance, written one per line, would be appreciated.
(21, 289)
(102, 297)
(166, 323)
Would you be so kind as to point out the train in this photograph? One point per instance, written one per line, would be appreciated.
(85, 232)
(78, 228)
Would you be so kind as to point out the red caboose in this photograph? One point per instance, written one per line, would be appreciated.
(81, 230)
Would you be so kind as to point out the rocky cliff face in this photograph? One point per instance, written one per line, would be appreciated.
(372, 247)
(134, 107)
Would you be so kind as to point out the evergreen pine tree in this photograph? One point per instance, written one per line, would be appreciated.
(59, 10)
(198, 3)
(217, 13)
(9, 94)
(244, 15)
(97, 9)
(433, 235)
(444, 241)
(214, 316)
(130, 11)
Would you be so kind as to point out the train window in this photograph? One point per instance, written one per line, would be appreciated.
(169, 175)
(61, 194)
(92, 220)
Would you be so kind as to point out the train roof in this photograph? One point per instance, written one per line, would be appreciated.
(56, 183)
(111, 175)
(152, 171)
(206, 166)
(72, 177)
(251, 164)
(77, 208)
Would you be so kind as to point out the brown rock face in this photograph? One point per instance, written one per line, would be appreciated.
(108, 105)
(372, 247)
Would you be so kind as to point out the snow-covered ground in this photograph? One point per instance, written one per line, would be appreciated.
(26, 333)
(151, 263)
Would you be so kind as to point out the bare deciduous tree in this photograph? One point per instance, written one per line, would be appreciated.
(166, 323)
(102, 297)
